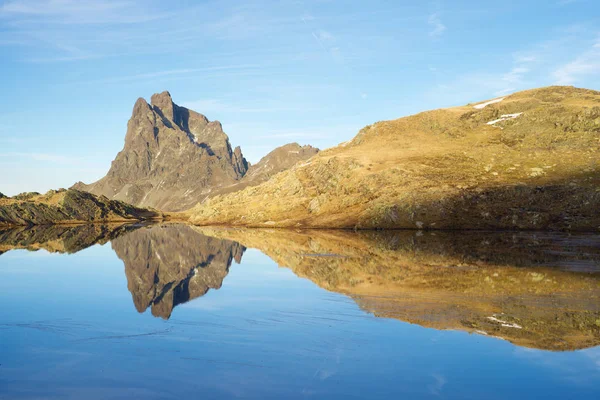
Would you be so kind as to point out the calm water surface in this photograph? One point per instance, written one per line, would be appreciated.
(166, 312)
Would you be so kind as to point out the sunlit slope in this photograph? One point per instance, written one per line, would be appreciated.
(526, 161)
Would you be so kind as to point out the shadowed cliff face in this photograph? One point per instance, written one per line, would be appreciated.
(167, 265)
(535, 290)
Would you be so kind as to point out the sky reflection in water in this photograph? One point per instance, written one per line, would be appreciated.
(70, 326)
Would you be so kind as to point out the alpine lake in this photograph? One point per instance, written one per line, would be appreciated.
(173, 311)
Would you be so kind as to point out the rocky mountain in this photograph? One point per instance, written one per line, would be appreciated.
(173, 158)
(526, 161)
(278, 160)
(68, 206)
(513, 286)
(167, 265)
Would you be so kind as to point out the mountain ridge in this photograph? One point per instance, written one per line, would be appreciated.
(526, 161)
(172, 158)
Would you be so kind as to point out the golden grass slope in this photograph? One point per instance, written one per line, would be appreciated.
(443, 169)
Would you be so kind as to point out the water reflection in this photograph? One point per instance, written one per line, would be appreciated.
(172, 264)
(535, 290)
(60, 238)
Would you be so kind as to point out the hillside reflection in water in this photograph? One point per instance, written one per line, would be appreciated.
(536, 291)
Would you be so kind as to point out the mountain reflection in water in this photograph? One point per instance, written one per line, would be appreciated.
(539, 290)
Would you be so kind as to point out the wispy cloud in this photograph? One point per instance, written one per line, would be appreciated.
(219, 106)
(585, 65)
(44, 157)
(79, 12)
(437, 27)
(289, 135)
(176, 72)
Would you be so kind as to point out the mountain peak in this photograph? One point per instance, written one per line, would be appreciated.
(171, 158)
(164, 103)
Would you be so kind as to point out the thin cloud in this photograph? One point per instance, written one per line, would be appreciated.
(174, 72)
(78, 12)
(44, 157)
(437, 26)
(515, 75)
(215, 105)
(304, 135)
(584, 65)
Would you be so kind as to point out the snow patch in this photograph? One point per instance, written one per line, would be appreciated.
(504, 117)
(504, 323)
(487, 103)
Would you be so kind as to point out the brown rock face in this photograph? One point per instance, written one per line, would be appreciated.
(278, 160)
(172, 158)
(171, 264)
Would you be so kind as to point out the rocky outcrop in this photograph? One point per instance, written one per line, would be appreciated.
(174, 158)
(534, 290)
(167, 265)
(68, 206)
(278, 160)
(528, 161)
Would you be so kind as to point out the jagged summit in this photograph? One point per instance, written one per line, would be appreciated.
(172, 158)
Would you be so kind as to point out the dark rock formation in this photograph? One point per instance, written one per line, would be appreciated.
(174, 158)
(68, 206)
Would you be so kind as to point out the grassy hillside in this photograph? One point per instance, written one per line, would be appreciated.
(529, 161)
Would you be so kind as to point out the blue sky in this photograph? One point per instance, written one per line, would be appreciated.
(273, 72)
